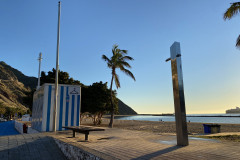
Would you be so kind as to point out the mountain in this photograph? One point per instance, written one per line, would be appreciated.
(27, 81)
(12, 91)
(124, 109)
(16, 88)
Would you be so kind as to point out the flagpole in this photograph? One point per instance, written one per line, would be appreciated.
(57, 68)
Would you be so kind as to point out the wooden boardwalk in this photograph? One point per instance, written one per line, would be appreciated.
(29, 147)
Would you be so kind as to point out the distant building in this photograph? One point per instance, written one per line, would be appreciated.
(236, 110)
(26, 117)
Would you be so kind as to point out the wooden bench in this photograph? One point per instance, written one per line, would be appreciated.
(83, 129)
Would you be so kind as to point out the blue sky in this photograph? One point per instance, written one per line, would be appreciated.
(146, 29)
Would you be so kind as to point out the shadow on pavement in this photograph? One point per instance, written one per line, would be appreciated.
(25, 147)
(158, 153)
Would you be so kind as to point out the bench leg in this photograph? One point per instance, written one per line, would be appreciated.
(73, 133)
(86, 136)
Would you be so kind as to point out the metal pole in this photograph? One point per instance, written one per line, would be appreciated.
(39, 69)
(178, 92)
(57, 68)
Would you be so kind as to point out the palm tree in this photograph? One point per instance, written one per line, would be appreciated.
(233, 10)
(118, 60)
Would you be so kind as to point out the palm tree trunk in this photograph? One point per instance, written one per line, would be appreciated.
(112, 109)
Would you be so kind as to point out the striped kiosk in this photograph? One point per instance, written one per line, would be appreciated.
(68, 108)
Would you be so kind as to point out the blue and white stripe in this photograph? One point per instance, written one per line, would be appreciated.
(68, 110)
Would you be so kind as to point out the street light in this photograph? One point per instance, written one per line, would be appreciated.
(39, 69)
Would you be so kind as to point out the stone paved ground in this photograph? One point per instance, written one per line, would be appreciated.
(128, 144)
(116, 144)
(29, 147)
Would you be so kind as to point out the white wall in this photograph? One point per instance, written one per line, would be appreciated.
(19, 128)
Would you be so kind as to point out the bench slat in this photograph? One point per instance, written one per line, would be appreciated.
(83, 129)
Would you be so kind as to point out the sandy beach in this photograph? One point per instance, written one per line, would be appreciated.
(160, 127)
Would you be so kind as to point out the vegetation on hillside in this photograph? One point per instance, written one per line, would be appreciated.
(9, 112)
(12, 93)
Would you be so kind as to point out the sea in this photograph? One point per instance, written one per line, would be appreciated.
(201, 118)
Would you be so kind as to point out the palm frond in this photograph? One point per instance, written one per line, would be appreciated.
(232, 10)
(238, 42)
(105, 58)
(129, 73)
(123, 63)
(109, 65)
(116, 80)
(124, 51)
(115, 46)
(127, 58)
(109, 62)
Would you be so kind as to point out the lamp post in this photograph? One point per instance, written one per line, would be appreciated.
(178, 92)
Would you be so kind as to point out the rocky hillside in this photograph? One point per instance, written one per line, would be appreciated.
(27, 81)
(124, 109)
(12, 91)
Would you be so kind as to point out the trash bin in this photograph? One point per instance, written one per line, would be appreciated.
(207, 128)
(25, 128)
(211, 128)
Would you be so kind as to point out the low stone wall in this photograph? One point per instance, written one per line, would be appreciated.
(73, 152)
(19, 127)
(31, 130)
